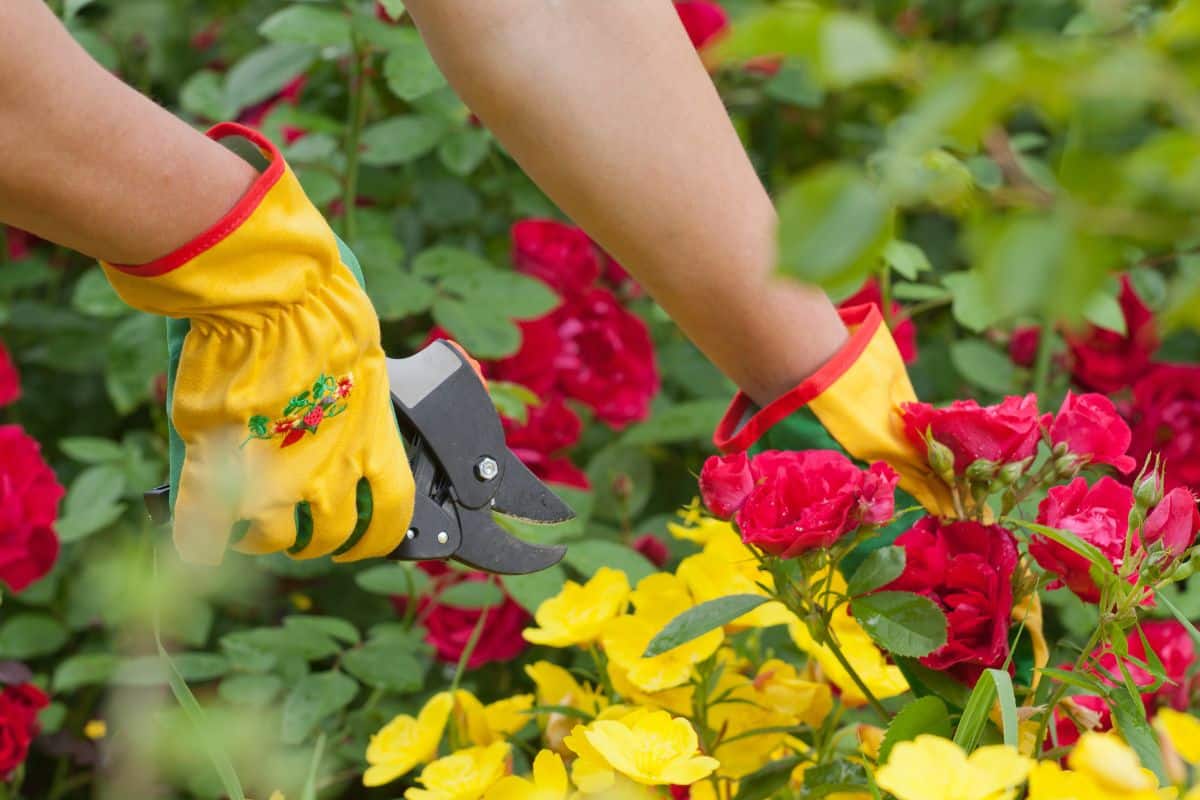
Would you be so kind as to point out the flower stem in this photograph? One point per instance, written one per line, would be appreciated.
(468, 651)
(835, 648)
(1041, 367)
(358, 88)
(1060, 691)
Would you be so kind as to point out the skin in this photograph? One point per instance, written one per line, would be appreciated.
(571, 88)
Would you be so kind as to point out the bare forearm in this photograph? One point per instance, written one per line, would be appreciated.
(87, 162)
(608, 108)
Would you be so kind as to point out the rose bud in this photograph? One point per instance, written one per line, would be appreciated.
(1174, 522)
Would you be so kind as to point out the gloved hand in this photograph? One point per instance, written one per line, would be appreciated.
(857, 396)
(280, 400)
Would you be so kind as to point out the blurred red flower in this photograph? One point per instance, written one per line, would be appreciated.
(1088, 424)
(19, 707)
(10, 381)
(653, 549)
(29, 497)
(1166, 420)
(562, 256)
(1002, 434)
(703, 20)
(904, 330)
(1106, 361)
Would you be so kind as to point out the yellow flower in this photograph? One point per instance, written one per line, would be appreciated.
(1111, 766)
(726, 566)
(95, 729)
(658, 599)
(549, 781)
(405, 742)
(577, 614)
(883, 679)
(465, 775)
(1182, 731)
(737, 718)
(483, 725)
(677, 700)
(932, 768)
(697, 526)
(651, 748)
(778, 687)
(558, 687)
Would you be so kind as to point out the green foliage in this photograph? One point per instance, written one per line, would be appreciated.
(903, 623)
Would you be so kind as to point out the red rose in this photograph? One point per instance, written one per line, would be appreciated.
(608, 360)
(799, 501)
(703, 20)
(559, 469)
(725, 483)
(29, 497)
(10, 381)
(1174, 522)
(904, 331)
(966, 569)
(1088, 424)
(1090, 710)
(1166, 420)
(1106, 361)
(1023, 345)
(1001, 433)
(561, 255)
(535, 365)
(1170, 642)
(19, 706)
(548, 428)
(653, 549)
(1098, 516)
(448, 628)
(19, 242)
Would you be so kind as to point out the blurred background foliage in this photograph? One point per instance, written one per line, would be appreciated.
(991, 164)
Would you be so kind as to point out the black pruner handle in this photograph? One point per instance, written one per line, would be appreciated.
(158, 503)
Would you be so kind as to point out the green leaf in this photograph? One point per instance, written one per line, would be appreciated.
(1073, 543)
(512, 400)
(262, 73)
(28, 273)
(1130, 717)
(973, 307)
(926, 715)
(136, 356)
(484, 330)
(589, 556)
(472, 594)
(530, 591)
(464, 150)
(836, 776)
(299, 641)
(833, 227)
(392, 579)
(29, 635)
(250, 691)
(71, 9)
(152, 671)
(91, 449)
(88, 669)
(683, 422)
(308, 25)
(409, 69)
(877, 570)
(96, 487)
(397, 293)
(387, 663)
(902, 623)
(622, 479)
(795, 83)
(925, 682)
(441, 261)
(519, 296)
(854, 50)
(993, 685)
(82, 524)
(50, 719)
(764, 782)
(699, 620)
(1104, 311)
(1180, 616)
(984, 366)
(93, 295)
(313, 699)
(402, 139)
(393, 8)
(204, 95)
(906, 258)
(335, 627)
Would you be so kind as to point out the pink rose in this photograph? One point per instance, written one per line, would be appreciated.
(1002, 433)
(561, 255)
(1098, 516)
(800, 500)
(904, 331)
(1174, 522)
(703, 20)
(10, 381)
(29, 498)
(1088, 424)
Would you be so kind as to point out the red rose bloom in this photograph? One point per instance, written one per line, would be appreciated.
(1171, 643)
(1106, 361)
(548, 429)
(966, 569)
(904, 330)
(703, 20)
(1174, 522)
(1098, 516)
(653, 549)
(1001, 433)
(1166, 420)
(559, 469)
(29, 497)
(535, 365)
(19, 707)
(561, 255)
(797, 501)
(1090, 427)
(10, 382)
(448, 628)
(1023, 345)
(608, 360)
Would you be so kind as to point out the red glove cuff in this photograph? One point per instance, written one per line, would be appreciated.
(744, 423)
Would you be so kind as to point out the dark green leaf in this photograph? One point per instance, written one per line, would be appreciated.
(464, 150)
(306, 24)
(926, 715)
(925, 682)
(472, 594)
(984, 366)
(590, 555)
(409, 69)
(387, 663)
(96, 487)
(29, 635)
(1130, 716)
(392, 579)
(483, 329)
(335, 627)
(91, 449)
(836, 776)
(903, 623)
(877, 570)
(994, 685)
(684, 422)
(400, 140)
(250, 691)
(313, 699)
(699, 620)
(95, 297)
(88, 669)
(265, 71)
(766, 781)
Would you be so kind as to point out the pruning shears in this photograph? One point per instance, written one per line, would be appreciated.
(462, 470)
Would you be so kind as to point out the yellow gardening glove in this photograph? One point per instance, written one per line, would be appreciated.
(857, 396)
(281, 396)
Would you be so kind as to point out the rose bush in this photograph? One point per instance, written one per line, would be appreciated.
(1030, 244)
